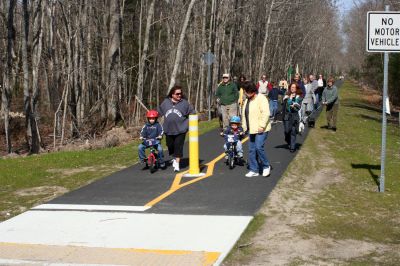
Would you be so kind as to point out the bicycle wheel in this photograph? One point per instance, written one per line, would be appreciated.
(152, 163)
(231, 161)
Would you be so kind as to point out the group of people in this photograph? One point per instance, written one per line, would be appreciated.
(247, 108)
(255, 106)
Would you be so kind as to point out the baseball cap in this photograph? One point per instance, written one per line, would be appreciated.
(226, 75)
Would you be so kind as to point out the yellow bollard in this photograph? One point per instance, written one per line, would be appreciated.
(194, 169)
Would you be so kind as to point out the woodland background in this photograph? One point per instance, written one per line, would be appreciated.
(75, 69)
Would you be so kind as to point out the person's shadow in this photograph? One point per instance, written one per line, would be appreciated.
(369, 167)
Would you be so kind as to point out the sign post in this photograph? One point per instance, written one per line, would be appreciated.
(209, 59)
(383, 35)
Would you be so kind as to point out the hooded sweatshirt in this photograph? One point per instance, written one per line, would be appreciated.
(176, 116)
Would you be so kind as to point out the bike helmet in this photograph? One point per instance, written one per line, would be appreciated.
(235, 119)
(152, 114)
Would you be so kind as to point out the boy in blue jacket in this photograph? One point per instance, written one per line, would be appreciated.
(234, 129)
(151, 134)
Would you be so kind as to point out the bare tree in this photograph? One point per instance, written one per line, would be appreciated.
(113, 61)
(8, 74)
(180, 45)
(90, 58)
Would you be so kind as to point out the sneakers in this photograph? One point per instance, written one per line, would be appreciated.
(162, 165)
(266, 171)
(251, 174)
(175, 165)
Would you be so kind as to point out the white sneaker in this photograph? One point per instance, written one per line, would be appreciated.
(175, 164)
(251, 174)
(266, 171)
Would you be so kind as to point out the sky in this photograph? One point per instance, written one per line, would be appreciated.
(345, 5)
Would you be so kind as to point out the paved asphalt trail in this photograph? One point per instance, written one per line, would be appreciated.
(133, 217)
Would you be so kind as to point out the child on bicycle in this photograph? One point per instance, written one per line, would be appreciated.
(151, 134)
(234, 129)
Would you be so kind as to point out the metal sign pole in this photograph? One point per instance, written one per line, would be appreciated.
(209, 59)
(209, 91)
(384, 121)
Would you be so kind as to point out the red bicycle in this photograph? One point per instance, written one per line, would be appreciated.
(152, 159)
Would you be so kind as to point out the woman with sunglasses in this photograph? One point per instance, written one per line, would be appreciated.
(175, 109)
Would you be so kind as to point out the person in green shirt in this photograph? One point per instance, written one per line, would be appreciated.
(227, 95)
(331, 101)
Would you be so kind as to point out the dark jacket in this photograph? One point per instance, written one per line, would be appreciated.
(274, 93)
(290, 111)
(152, 131)
(302, 87)
(227, 93)
(237, 136)
(176, 116)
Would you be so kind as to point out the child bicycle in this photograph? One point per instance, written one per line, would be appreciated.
(233, 145)
(152, 161)
(151, 135)
(231, 152)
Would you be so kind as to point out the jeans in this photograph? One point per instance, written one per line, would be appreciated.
(316, 100)
(239, 148)
(142, 152)
(257, 156)
(290, 128)
(273, 108)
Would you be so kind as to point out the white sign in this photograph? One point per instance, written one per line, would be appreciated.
(208, 58)
(383, 31)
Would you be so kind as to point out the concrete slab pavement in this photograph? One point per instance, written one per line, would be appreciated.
(118, 238)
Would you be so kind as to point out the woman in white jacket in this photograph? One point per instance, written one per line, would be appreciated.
(255, 117)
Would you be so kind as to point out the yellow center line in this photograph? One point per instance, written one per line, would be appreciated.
(176, 184)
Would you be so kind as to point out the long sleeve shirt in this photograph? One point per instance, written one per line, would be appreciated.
(176, 116)
(227, 93)
(330, 95)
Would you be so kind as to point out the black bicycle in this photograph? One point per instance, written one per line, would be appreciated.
(231, 151)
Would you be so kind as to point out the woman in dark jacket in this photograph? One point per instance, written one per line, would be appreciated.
(175, 109)
(291, 118)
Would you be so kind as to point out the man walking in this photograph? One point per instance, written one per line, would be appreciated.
(227, 96)
(263, 86)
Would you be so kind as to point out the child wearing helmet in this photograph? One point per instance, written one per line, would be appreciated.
(152, 131)
(237, 131)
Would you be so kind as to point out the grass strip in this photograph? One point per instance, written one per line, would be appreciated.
(345, 204)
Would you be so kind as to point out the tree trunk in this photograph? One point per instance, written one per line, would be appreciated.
(203, 82)
(180, 45)
(264, 47)
(143, 56)
(113, 61)
(36, 57)
(25, 67)
(8, 74)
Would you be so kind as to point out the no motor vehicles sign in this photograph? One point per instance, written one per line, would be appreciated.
(383, 31)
